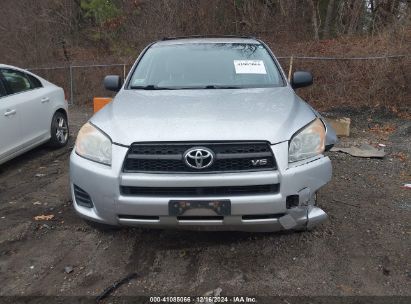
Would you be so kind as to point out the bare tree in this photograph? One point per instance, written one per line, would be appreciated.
(328, 17)
(315, 19)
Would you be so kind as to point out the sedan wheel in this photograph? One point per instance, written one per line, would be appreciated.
(59, 130)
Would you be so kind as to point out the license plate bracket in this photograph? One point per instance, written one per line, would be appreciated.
(220, 207)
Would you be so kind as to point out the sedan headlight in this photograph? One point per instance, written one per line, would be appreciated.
(93, 144)
(308, 142)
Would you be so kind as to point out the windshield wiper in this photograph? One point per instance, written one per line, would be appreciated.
(150, 87)
(155, 87)
(221, 87)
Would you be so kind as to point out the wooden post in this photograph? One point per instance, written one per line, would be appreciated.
(291, 68)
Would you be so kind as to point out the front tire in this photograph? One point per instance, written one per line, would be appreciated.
(59, 130)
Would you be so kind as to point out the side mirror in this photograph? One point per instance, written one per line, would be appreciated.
(113, 83)
(301, 79)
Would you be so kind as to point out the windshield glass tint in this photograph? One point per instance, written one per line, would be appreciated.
(206, 65)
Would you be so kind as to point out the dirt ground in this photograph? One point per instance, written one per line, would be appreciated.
(364, 249)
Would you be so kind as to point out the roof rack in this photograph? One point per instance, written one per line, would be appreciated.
(208, 36)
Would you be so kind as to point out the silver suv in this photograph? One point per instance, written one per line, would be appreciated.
(205, 133)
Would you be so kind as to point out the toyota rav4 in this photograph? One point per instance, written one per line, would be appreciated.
(205, 133)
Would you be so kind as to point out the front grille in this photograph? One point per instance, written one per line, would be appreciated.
(199, 191)
(229, 157)
(82, 197)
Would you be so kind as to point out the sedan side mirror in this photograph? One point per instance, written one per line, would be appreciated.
(301, 79)
(113, 83)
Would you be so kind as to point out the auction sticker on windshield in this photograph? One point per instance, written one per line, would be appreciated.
(249, 67)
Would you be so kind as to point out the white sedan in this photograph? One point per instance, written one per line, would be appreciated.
(33, 111)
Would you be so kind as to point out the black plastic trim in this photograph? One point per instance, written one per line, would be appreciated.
(200, 191)
(208, 36)
(262, 216)
(139, 217)
(82, 197)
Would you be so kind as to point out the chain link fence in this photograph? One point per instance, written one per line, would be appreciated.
(338, 81)
(81, 83)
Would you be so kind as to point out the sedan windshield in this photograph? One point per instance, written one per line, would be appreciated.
(206, 66)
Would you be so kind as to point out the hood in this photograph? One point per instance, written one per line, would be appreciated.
(269, 114)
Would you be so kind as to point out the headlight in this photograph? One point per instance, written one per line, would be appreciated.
(308, 142)
(93, 144)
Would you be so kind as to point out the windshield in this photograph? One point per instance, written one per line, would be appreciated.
(206, 66)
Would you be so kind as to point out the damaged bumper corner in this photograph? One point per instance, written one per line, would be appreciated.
(315, 217)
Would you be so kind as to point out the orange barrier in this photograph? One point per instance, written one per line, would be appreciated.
(100, 102)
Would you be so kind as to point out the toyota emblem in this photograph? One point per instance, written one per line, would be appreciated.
(198, 158)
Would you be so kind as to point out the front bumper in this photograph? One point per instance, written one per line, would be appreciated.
(248, 212)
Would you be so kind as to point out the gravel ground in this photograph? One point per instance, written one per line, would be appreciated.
(363, 249)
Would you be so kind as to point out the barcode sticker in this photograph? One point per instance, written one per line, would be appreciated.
(249, 67)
